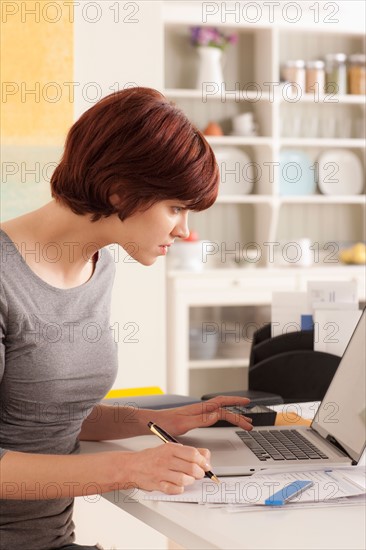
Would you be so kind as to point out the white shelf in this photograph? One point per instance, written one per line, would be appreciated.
(218, 363)
(329, 99)
(263, 216)
(239, 140)
(299, 199)
(323, 142)
(226, 95)
(268, 273)
(244, 199)
(324, 199)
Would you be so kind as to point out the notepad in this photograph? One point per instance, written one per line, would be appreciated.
(256, 489)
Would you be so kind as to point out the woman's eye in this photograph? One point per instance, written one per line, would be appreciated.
(177, 209)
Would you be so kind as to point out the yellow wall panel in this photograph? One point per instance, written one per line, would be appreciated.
(36, 51)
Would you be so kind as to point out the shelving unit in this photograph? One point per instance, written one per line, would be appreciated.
(263, 216)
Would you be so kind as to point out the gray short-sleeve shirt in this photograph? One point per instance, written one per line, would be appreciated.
(58, 359)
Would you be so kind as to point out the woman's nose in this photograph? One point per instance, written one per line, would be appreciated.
(184, 234)
(182, 229)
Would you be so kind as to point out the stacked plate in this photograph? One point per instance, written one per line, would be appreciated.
(340, 173)
(296, 174)
(236, 171)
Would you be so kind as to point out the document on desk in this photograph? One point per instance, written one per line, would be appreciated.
(254, 490)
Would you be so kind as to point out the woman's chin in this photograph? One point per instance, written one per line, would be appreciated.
(146, 261)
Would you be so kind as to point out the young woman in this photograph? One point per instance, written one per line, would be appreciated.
(132, 168)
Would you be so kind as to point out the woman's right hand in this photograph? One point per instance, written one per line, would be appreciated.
(168, 468)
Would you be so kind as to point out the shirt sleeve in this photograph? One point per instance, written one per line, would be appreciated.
(3, 323)
(2, 452)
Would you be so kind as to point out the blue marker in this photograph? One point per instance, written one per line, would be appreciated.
(288, 492)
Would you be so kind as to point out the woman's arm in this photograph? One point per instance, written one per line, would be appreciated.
(168, 467)
(116, 422)
(120, 421)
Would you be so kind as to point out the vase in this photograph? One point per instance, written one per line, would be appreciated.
(209, 67)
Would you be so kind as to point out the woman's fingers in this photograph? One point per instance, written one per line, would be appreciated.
(211, 404)
(176, 467)
(221, 413)
(206, 453)
(192, 456)
(170, 488)
(227, 401)
(210, 411)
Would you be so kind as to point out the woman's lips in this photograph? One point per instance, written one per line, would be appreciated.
(164, 249)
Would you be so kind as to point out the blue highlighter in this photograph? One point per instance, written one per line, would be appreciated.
(288, 492)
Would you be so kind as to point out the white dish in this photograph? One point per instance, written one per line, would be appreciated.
(340, 173)
(236, 171)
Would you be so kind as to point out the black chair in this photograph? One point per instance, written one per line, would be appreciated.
(286, 369)
(292, 341)
(297, 376)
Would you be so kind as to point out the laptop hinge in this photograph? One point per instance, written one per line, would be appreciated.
(334, 442)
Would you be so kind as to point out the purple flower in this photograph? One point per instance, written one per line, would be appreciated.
(211, 36)
(233, 39)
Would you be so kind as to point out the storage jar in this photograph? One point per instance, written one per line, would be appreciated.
(357, 73)
(336, 73)
(315, 76)
(294, 71)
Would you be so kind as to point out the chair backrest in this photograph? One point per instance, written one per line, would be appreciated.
(261, 334)
(286, 369)
(298, 376)
(291, 341)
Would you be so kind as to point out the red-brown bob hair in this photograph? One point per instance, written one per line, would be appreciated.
(141, 146)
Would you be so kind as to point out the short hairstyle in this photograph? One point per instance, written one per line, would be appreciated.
(137, 144)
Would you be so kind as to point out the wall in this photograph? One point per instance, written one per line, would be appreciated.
(55, 62)
(59, 61)
(36, 61)
(122, 48)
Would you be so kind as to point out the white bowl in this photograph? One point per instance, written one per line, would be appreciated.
(190, 255)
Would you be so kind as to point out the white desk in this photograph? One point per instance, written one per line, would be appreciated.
(197, 527)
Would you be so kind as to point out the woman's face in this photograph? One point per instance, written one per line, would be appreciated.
(148, 234)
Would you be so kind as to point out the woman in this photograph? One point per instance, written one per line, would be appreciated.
(132, 168)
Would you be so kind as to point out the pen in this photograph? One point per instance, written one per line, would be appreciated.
(167, 438)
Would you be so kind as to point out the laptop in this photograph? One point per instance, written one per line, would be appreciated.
(336, 437)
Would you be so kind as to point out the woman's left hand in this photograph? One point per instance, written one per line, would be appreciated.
(180, 420)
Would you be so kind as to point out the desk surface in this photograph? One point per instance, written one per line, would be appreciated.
(197, 526)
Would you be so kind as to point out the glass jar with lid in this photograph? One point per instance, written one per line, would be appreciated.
(315, 76)
(336, 73)
(357, 73)
(293, 71)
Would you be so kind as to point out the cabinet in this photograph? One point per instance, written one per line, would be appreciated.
(230, 290)
(264, 221)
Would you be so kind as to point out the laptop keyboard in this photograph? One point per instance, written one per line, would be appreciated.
(280, 445)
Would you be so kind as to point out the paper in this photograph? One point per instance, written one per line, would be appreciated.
(332, 291)
(286, 311)
(346, 501)
(254, 490)
(357, 476)
(333, 329)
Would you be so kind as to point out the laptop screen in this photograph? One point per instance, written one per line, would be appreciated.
(342, 413)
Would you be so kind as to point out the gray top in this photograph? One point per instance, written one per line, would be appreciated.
(58, 359)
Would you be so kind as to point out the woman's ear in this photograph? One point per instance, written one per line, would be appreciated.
(114, 199)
